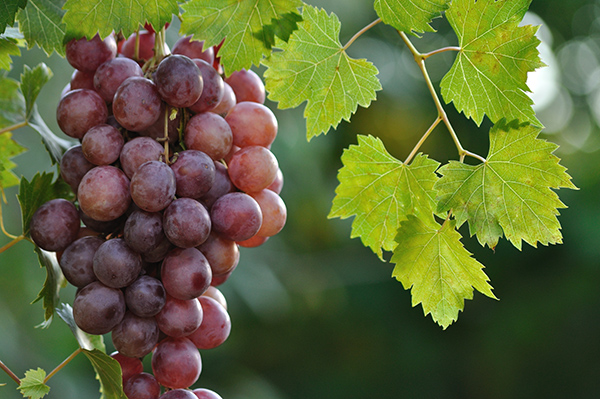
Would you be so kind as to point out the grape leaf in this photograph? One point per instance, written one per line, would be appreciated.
(85, 340)
(88, 17)
(41, 24)
(511, 192)
(439, 271)
(8, 149)
(49, 294)
(239, 21)
(410, 16)
(8, 47)
(314, 67)
(33, 386)
(32, 81)
(381, 192)
(8, 10)
(12, 103)
(489, 74)
(281, 27)
(108, 372)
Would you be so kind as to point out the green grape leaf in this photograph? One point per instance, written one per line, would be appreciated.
(85, 340)
(410, 16)
(8, 47)
(108, 372)
(8, 149)
(281, 27)
(238, 21)
(33, 386)
(432, 262)
(8, 10)
(34, 194)
(50, 292)
(314, 67)
(12, 103)
(489, 74)
(41, 24)
(88, 17)
(381, 192)
(32, 81)
(511, 192)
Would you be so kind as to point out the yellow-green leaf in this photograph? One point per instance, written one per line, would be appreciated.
(511, 192)
(410, 16)
(8, 149)
(381, 192)
(490, 73)
(33, 386)
(432, 262)
(315, 68)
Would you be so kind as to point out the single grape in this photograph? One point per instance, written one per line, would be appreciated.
(273, 210)
(135, 336)
(277, 184)
(138, 151)
(102, 144)
(130, 366)
(116, 265)
(55, 225)
(209, 133)
(109, 76)
(253, 168)
(215, 327)
(186, 223)
(252, 124)
(97, 309)
(227, 101)
(194, 173)
(236, 216)
(178, 394)
(143, 231)
(76, 262)
(185, 273)
(179, 318)
(203, 393)
(247, 86)
(146, 296)
(137, 104)
(103, 193)
(193, 49)
(79, 111)
(221, 186)
(73, 166)
(176, 363)
(179, 81)
(145, 46)
(142, 386)
(153, 186)
(87, 56)
(82, 80)
(213, 88)
(222, 254)
(217, 295)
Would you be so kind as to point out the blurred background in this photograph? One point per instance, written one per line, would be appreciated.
(317, 315)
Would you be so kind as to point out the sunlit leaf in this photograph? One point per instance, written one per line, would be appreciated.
(33, 386)
(410, 16)
(432, 262)
(8, 47)
(315, 68)
(41, 24)
(108, 372)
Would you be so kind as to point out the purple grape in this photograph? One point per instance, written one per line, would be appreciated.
(82, 80)
(222, 185)
(227, 102)
(185, 273)
(102, 144)
(213, 88)
(209, 133)
(193, 49)
(194, 173)
(146, 296)
(137, 104)
(135, 336)
(103, 227)
(79, 111)
(142, 386)
(203, 393)
(116, 265)
(97, 309)
(252, 124)
(111, 74)
(176, 363)
(215, 327)
(153, 186)
(103, 193)
(222, 254)
(179, 318)
(247, 86)
(73, 166)
(87, 55)
(186, 223)
(179, 81)
(143, 231)
(237, 216)
(76, 261)
(178, 394)
(138, 151)
(130, 366)
(55, 225)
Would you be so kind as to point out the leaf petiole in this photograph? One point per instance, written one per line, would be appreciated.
(420, 143)
(13, 242)
(10, 373)
(62, 364)
(439, 51)
(360, 33)
(13, 127)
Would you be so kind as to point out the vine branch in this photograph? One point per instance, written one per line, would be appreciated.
(420, 143)
(14, 127)
(420, 60)
(62, 364)
(10, 373)
(360, 33)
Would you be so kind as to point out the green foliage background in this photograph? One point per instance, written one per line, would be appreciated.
(317, 315)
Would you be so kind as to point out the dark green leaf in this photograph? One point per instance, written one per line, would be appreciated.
(8, 149)
(12, 103)
(32, 81)
(281, 27)
(50, 292)
(41, 24)
(108, 371)
(8, 10)
(33, 386)
(85, 340)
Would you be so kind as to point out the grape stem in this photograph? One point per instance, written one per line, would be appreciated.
(360, 33)
(62, 364)
(13, 127)
(420, 60)
(13, 242)
(10, 373)
(420, 143)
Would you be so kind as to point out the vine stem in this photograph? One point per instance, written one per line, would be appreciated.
(62, 364)
(10, 373)
(420, 60)
(439, 51)
(13, 127)
(420, 143)
(13, 242)
(360, 33)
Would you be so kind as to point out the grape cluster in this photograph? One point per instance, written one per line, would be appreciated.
(174, 172)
